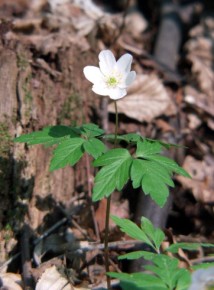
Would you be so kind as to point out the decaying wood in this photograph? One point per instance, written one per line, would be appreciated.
(33, 96)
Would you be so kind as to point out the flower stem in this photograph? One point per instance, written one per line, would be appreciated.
(106, 249)
(108, 207)
(116, 124)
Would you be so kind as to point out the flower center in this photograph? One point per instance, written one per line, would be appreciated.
(112, 82)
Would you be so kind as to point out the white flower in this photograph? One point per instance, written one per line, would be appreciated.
(203, 279)
(112, 77)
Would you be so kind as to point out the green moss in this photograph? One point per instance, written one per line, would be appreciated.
(22, 62)
(26, 88)
(5, 140)
(72, 110)
(28, 98)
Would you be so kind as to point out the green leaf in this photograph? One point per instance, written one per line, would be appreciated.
(202, 266)
(164, 144)
(183, 279)
(145, 281)
(154, 234)
(131, 229)
(129, 138)
(138, 254)
(48, 136)
(114, 174)
(153, 178)
(67, 153)
(187, 246)
(153, 172)
(146, 149)
(91, 130)
(94, 147)
(125, 285)
(150, 151)
(170, 165)
(165, 274)
(165, 268)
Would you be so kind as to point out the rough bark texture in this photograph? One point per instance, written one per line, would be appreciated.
(31, 98)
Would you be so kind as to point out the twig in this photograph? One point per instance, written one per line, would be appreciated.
(9, 261)
(50, 230)
(90, 195)
(115, 266)
(26, 260)
(87, 246)
(202, 260)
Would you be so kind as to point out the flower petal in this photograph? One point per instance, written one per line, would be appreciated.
(130, 78)
(93, 74)
(117, 93)
(100, 90)
(107, 62)
(124, 63)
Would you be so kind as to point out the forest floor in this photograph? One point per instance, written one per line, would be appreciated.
(44, 47)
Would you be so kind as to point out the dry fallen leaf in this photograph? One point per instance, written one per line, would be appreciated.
(11, 281)
(199, 100)
(52, 279)
(202, 182)
(203, 104)
(136, 24)
(147, 99)
(200, 53)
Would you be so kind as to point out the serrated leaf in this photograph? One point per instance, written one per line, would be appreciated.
(158, 238)
(169, 164)
(94, 147)
(164, 144)
(154, 234)
(67, 153)
(141, 280)
(114, 174)
(165, 268)
(153, 178)
(145, 149)
(129, 138)
(183, 279)
(153, 172)
(131, 229)
(138, 254)
(125, 285)
(165, 274)
(91, 130)
(48, 136)
(187, 246)
(202, 266)
(150, 151)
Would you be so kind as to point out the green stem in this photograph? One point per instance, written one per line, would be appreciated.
(106, 249)
(108, 207)
(116, 124)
